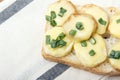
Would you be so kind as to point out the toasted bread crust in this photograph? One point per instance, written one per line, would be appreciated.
(67, 62)
(96, 70)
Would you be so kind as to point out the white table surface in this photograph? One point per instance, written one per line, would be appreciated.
(21, 42)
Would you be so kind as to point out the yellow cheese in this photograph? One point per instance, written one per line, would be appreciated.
(57, 52)
(83, 55)
(97, 13)
(88, 23)
(114, 27)
(67, 5)
(115, 62)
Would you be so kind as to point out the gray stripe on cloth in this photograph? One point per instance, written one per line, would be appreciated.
(52, 73)
(12, 9)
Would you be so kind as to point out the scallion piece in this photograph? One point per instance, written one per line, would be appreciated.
(117, 55)
(53, 14)
(61, 36)
(118, 21)
(72, 32)
(53, 43)
(79, 26)
(112, 54)
(47, 39)
(61, 43)
(92, 40)
(101, 21)
(92, 52)
(62, 12)
(53, 23)
(48, 18)
(83, 43)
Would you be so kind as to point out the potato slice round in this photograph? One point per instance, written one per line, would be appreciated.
(99, 14)
(59, 12)
(80, 26)
(114, 56)
(92, 52)
(114, 27)
(56, 43)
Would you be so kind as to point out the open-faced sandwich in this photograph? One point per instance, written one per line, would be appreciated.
(85, 37)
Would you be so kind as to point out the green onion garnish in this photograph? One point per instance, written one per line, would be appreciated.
(101, 21)
(53, 14)
(92, 52)
(118, 21)
(114, 54)
(53, 43)
(53, 23)
(83, 43)
(48, 18)
(92, 40)
(51, 18)
(72, 32)
(61, 36)
(47, 39)
(62, 12)
(61, 43)
(117, 55)
(79, 26)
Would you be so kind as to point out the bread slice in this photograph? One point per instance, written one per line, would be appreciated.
(105, 68)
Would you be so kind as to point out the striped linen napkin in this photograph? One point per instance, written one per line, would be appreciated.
(21, 30)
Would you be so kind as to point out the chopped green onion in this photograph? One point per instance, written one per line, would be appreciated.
(48, 18)
(58, 42)
(51, 18)
(53, 23)
(53, 14)
(61, 43)
(117, 55)
(118, 21)
(62, 12)
(61, 36)
(72, 32)
(112, 54)
(92, 40)
(47, 39)
(53, 43)
(92, 52)
(79, 26)
(101, 21)
(83, 43)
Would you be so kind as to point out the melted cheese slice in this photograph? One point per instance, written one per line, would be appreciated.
(114, 27)
(67, 5)
(57, 52)
(83, 56)
(97, 13)
(115, 62)
(88, 23)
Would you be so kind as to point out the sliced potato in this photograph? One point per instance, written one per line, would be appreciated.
(114, 27)
(82, 26)
(57, 44)
(92, 52)
(60, 11)
(99, 14)
(114, 56)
